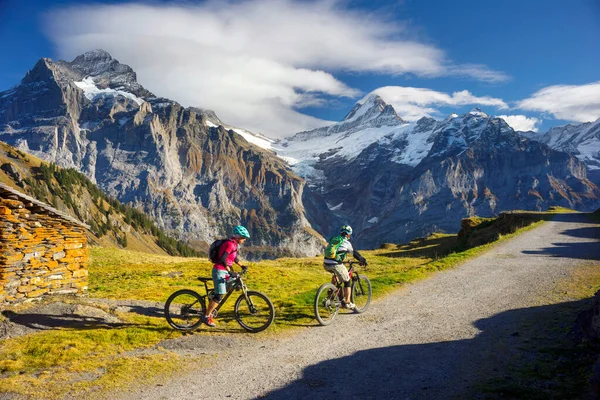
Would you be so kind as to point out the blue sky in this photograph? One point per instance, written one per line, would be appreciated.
(279, 67)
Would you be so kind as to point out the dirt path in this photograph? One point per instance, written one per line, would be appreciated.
(430, 339)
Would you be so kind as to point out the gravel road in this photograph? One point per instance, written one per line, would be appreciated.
(430, 339)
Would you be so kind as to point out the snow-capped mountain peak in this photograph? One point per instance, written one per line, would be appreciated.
(478, 113)
(581, 140)
(98, 56)
(99, 68)
(373, 121)
(370, 105)
(369, 120)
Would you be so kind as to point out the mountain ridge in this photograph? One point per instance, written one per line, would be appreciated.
(409, 180)
(196, 176)
(582, 140)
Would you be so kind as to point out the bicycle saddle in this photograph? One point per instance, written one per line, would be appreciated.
(204, 279)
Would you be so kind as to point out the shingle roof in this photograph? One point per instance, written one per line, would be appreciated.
(7, 190)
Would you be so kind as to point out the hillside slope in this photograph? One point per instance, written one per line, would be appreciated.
(112, 224)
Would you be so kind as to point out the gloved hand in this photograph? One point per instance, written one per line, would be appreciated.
(233, 276)
(244, 268)
(364, 263)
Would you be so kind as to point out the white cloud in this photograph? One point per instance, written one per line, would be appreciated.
(480, 72)
(521, 122)
(569, 102)
(254, 62)
(413, 103)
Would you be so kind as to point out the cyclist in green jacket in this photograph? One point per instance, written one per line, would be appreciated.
(335, 254)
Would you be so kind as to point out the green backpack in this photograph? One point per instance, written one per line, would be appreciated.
(332, 247)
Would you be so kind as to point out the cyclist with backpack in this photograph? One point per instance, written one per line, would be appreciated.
(223, 268)
(335, 254)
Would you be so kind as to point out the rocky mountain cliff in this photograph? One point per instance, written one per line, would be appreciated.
(394, 181)
(179, 165)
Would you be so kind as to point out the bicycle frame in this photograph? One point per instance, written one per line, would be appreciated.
(239, 285)
(186, 309)
(351, 272)
(339, 285)
(331, 296)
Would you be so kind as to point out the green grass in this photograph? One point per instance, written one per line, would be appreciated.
(87, 361)
(52, 363)
(550, 210)
(289, 282)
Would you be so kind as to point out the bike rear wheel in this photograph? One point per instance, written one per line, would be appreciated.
(184, 310)
(254, 311)
(326, 304)
(361, 293)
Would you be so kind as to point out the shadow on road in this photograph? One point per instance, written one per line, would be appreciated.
(147, 311)
(583, 251)
(47, 321)
(586, 233)
(589, 250)
(586, 218)
(432, 370)
(60, 315)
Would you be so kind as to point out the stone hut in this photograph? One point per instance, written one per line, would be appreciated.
(42, 250)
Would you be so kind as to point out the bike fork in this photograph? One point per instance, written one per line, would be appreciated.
(250, 304)
(360, 290)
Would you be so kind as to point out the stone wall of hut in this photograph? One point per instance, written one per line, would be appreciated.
(40, 253)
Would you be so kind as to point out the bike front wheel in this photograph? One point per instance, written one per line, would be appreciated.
(361, 293)
(326, 304)
(254, 311)
(184, 310)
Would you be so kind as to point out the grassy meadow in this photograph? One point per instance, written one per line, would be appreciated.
(88, 361)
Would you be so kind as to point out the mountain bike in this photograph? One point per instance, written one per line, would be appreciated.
(329, 296)
(253, 310)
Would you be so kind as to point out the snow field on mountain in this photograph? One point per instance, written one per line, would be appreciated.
(302, 154)
(590, 151)
(418, 147)
(341, 144)
(92, 92)
(252, 138)
(258, 140)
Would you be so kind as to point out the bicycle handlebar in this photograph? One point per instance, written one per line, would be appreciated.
(352, 262)
(244, 271)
